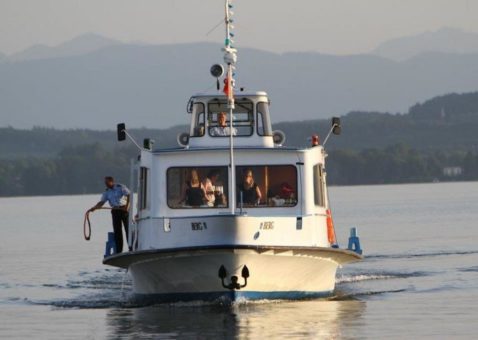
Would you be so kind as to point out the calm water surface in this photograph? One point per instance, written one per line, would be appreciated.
(419, 279)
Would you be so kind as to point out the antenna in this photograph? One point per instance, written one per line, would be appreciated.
(230, 58)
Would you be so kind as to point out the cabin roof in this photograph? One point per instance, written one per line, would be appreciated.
(179, 149)
(236, 94)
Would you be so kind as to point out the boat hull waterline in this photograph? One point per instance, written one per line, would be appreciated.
(194, 274)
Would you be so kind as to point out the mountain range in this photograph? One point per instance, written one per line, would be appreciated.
(94, 82)
(444, 40)
(80, 45)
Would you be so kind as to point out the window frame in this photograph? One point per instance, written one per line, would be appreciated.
(197, 116)
(225, 170)
(265, 120)
(252, 166)
(143, 195)
(217, 101)
(318, 183)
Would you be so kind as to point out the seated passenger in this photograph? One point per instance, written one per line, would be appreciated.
(251, 194)
(222, 129)
(195, 193)
(286, 191)
(214, 198)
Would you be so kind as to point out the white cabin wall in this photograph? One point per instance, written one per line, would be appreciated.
(314, 215)
(163, 161)
(312, 157)
(250, 141)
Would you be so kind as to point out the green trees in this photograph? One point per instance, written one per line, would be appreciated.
(76, 170)
(374, 148)
(397, 164)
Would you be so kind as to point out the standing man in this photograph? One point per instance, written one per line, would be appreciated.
(118, 196)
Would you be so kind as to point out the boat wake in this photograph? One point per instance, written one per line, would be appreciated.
(108, 279)
(113, 289)
(347, 278)
(473, 269)
(344, 296)
(431, 254)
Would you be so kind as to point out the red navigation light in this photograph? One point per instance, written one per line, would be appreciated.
(315, 140)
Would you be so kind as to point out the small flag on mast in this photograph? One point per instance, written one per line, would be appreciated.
(228, 90)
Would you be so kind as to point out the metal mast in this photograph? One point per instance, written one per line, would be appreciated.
(230, 58)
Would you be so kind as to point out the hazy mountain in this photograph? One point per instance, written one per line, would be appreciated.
(445, 40)
(150, 85)
(82, 44)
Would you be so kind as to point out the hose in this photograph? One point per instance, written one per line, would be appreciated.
(87, 223)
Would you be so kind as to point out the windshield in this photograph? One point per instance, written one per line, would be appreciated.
(219, 119)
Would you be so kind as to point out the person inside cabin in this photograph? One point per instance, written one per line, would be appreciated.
(118, 197)
(222, 130)
(249, 191)
(286, 191)
(213, 197)
(195, 193)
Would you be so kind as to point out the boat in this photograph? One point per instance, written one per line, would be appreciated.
(231, 213)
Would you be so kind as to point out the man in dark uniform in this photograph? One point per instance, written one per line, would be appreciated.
(118, 197)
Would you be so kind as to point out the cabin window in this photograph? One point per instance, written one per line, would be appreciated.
(200, 120)
(197, 187)
(219, 120)
(260, 124)
(143, 189)
(266, 186)
(263, 122)
(319, 195)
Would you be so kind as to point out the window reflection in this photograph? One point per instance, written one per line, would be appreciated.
(219, 119)
(266, 186)
(256, 186)
(197, 187)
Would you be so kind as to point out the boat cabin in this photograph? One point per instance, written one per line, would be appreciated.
(277, 185)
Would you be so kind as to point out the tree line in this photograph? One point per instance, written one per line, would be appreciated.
(80, 169)
(447, 122)
(374, 148)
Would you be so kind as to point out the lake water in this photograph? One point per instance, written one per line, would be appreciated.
(419, 278)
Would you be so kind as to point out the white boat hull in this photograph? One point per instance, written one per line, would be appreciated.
(193, 274)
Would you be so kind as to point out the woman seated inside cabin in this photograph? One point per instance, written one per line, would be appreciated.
(248, 191)
(195, 195)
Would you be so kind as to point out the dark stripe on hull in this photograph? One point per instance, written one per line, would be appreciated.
(230, 296)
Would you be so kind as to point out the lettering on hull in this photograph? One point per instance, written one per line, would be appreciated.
(196, 226)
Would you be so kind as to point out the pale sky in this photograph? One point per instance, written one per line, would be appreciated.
(327, 26)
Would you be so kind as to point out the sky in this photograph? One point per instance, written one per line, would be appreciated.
(326, 26)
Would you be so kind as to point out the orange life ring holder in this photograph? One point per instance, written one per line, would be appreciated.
(330, 228)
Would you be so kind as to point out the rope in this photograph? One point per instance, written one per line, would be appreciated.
(87, 223)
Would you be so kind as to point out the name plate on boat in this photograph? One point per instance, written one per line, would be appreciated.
(198, 225)
(267, 225)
